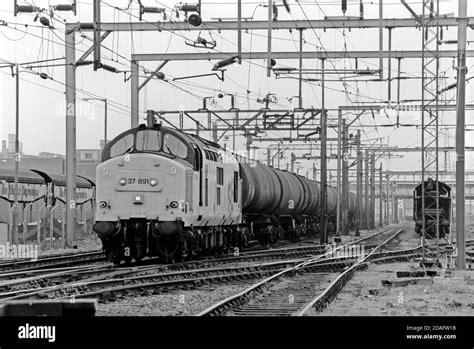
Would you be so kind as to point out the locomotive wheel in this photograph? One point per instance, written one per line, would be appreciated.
(169, 248)
(115, 253)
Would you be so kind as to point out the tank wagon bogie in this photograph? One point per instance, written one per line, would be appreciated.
(162, 192)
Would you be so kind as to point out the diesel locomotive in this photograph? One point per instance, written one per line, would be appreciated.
(162, 192)
(434, 216)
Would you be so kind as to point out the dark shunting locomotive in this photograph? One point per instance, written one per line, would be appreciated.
(443, 220)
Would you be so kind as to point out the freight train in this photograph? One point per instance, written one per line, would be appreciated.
(162, 192)
(433, 217)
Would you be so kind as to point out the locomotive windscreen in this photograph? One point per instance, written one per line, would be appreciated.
(430, 187)
(150, 140)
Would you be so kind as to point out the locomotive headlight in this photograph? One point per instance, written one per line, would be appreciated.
(138, 199)
(174, 204)
(153, 182)
(123, 181)
(103, 204)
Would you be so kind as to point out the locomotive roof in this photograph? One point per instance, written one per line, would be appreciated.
(188, 138)
(442, 186)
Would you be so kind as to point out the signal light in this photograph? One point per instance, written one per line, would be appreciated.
(122, 181)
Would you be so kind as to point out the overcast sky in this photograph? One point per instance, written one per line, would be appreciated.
(42, 101)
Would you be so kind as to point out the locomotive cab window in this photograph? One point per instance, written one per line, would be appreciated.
(122, 145)
(220, 176)
(197, 159)
(151, 140)
(174, 146)
(148, 140)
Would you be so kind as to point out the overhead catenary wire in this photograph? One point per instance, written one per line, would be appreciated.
(202, 87)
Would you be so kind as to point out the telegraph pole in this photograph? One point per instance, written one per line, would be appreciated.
(278, 156)
(269, 38)
(395, 204)
(17, 154)
(300, 77)
(96, 15)
(338, 176)
(372, 191)
(366, 201)
(70, 134)
(359, 184)
(460, 137)
(322, 227)
(345, 179)
(392, 201)
(380, 196)
(387, 201)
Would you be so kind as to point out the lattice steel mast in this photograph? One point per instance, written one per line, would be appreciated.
(430, 120)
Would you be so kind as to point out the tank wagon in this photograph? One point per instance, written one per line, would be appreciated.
(162, 192)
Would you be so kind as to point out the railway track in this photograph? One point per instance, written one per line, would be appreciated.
(55, 261)
(48, 277)
(35, 278)
(120, 283)
(108, 283)
(28, 268)
(103, 280)
(294, 294)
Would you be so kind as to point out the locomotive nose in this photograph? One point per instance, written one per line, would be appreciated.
(139, 188)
